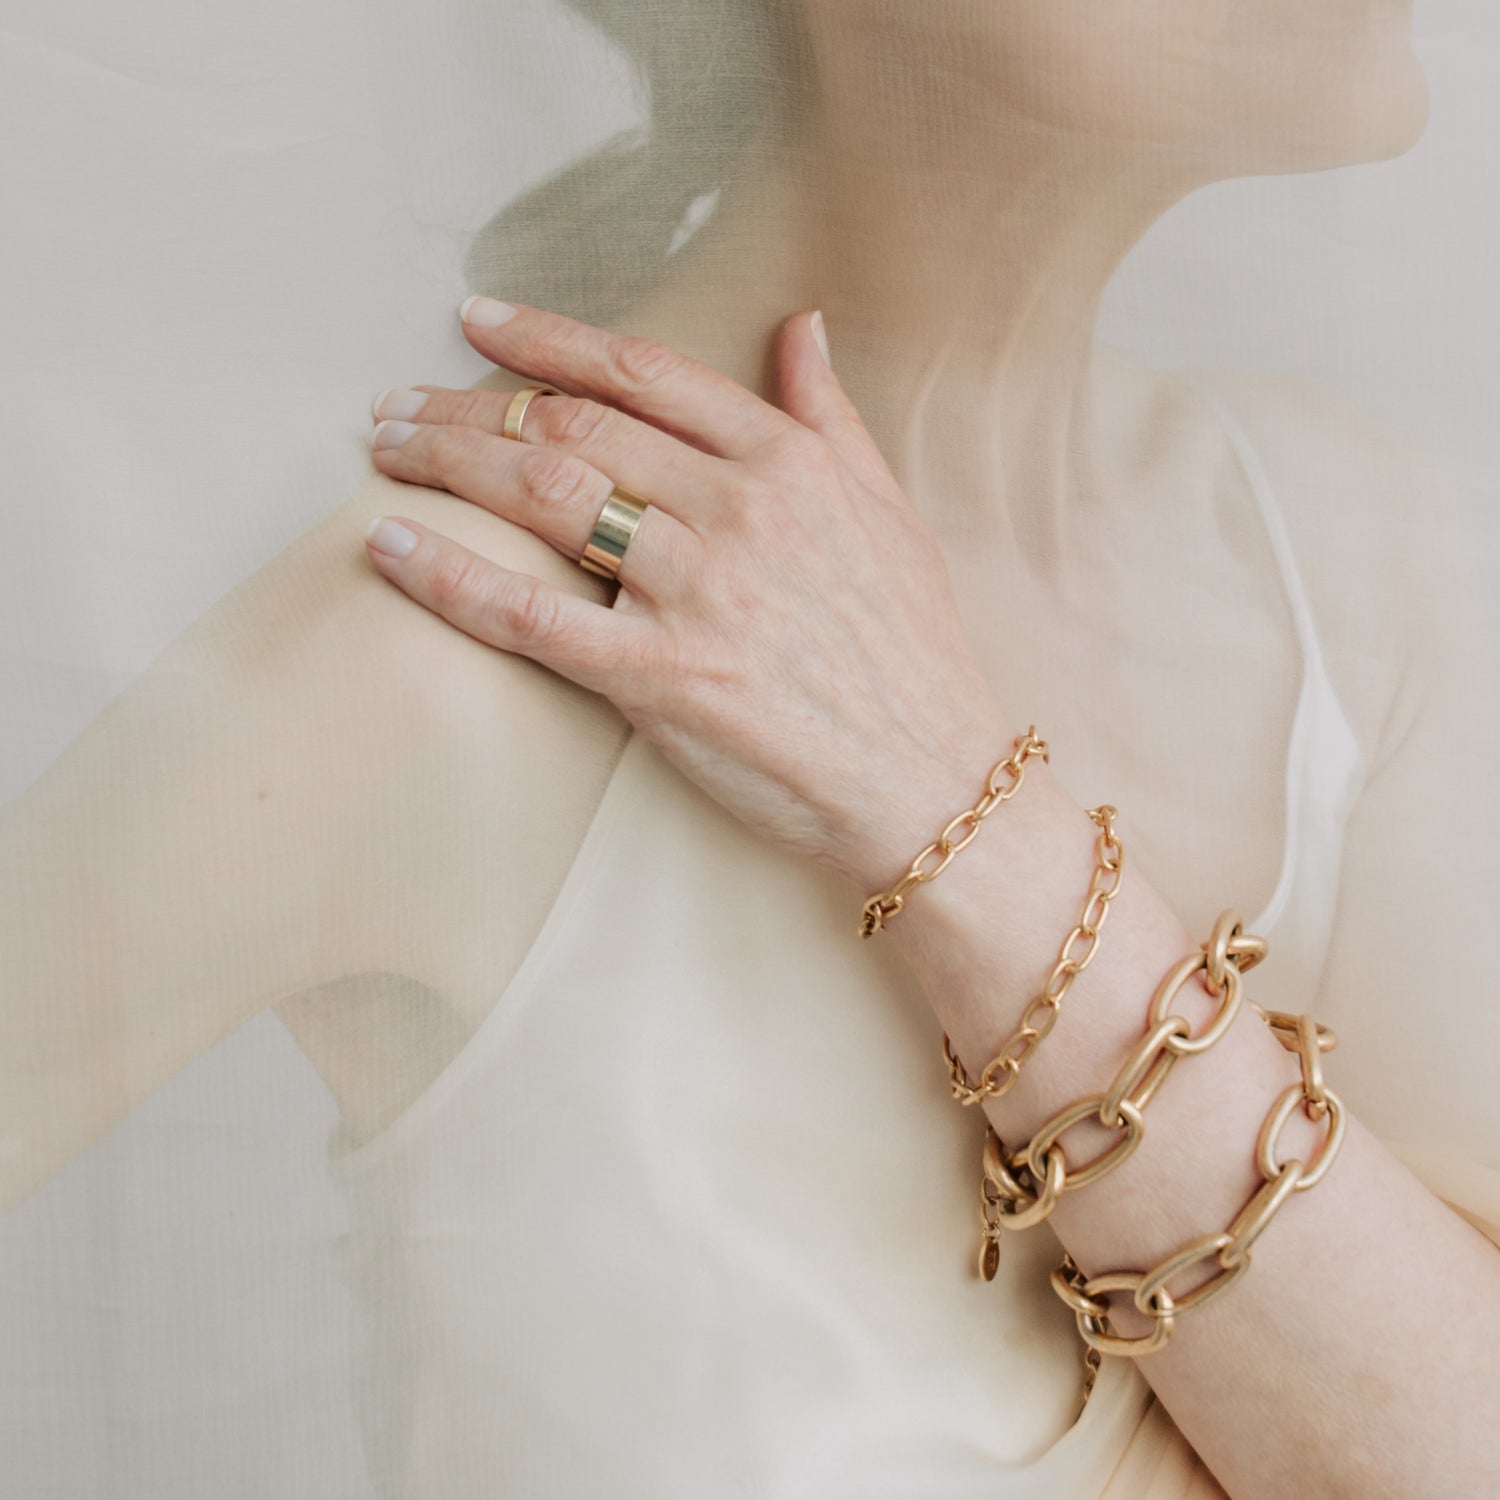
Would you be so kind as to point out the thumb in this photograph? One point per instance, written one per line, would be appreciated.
(811, 392)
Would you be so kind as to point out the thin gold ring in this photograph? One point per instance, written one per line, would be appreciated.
(515, 413)
(604, 552)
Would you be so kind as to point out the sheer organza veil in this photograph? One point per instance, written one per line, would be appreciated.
(275, 842)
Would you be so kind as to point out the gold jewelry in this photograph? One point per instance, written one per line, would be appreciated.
(880, 908)
(1229, 1250)
(1028, 1036)
(604, 553)
(515, 413)
(1021, 1188)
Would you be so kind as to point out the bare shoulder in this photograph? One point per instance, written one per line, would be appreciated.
(320, 799)
(484, 770)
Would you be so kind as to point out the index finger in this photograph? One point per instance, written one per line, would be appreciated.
(680, 395)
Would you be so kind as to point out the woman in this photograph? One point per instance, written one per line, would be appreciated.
(593, 1243)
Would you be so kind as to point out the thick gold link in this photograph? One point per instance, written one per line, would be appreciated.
(1067, 1282)
(1096, 1330)
(1147, 1065)
(1310, 1052)
(1225, 985)
(1019, 1189)
(1270, 1132)
(1230, 1249)
(885, 904)
(1042, 1145)
(1200, 1249)
(1257, 1213)
(1025, 1207)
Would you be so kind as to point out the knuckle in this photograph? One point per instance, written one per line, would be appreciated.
(637, 362)
(453, 579)
(574, 422)
(556, 479)
(527, 611)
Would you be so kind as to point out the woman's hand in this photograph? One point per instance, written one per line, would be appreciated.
(784, 629)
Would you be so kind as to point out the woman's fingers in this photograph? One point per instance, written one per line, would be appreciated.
(682, 480)
(672, 391)
(554, 494)
(600, 648)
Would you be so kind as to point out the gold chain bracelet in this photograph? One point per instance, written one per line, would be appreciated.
(1021, 1188)
(1028, 1036)
(881, 907)
(1228, 1250)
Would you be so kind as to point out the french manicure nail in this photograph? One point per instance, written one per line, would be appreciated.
(393, 434)
(391, 537)
(485, 312)
(395, 402)
(821, 335)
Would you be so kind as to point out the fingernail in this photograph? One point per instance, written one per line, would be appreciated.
(391, 537)
(393, 434)
(820, 334)
(486, 312)
(394, 402)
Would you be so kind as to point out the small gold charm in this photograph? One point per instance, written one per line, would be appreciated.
(989, 1255)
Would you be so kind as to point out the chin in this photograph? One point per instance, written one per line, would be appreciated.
(1373, 109)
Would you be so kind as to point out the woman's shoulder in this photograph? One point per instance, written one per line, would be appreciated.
(481, 772)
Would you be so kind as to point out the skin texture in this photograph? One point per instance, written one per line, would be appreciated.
(773, 560)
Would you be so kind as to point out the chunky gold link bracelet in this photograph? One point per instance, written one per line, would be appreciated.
(1034, 1025)
(881, 907)
(1228, 1252)
(1021, 1188)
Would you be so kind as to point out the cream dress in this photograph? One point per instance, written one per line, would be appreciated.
(646, 1236)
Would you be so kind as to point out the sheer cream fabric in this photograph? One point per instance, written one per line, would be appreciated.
(279, 841)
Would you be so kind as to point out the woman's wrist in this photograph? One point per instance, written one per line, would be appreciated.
(983, 939)
(896, 812)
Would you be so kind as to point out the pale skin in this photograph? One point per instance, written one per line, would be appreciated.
(1060, 429)
(752, 517)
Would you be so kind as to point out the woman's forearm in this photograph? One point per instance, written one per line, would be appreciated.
(1356, 1356)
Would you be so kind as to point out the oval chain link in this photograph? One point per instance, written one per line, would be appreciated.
(1042, 1010)
(1228, 1252)
(1028, 1170)
(1019, 1189)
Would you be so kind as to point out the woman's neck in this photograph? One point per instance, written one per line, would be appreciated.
(960, 309)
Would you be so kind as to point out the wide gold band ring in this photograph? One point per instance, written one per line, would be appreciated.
(605, 552)
(515, 413)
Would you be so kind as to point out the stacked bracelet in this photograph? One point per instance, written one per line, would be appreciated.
(1034, 1024)
(1019, 1189)
(1229, 1250)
